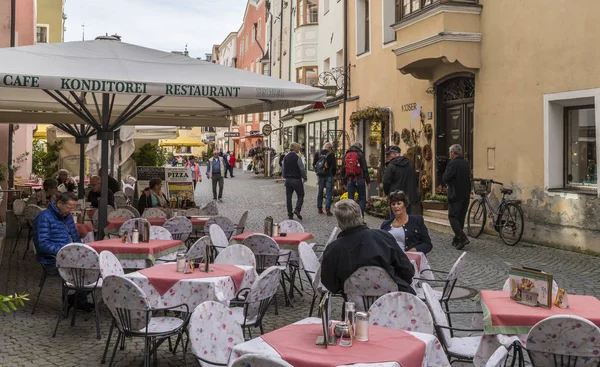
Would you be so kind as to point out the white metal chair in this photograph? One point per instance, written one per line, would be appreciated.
(121, 213)
(121, 200)
(564, 341)
(210, 209)
(366, 285)
(256, 299)
(218, 238)
(19, 206)
(129, 191)
(31, 212)
(180, 228)
(236, 255)
(109, 264)
(131, 180)
(213, 332)
(197, 251)
(193, 212)
(154, 213)
(225, 223)
(259, 360)
(290, 225)
(130, 225)
(160, 233)
(109, 209)
(458, 349)
(78, 266)
(310, 264)
(498, 359)
(239, 228)
(133, 316)
(401, 311)
(136, 213)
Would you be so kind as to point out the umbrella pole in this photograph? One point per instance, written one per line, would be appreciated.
(81, 187)
(104, 136)
(120, 165)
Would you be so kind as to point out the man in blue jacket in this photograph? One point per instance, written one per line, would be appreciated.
(53, 229)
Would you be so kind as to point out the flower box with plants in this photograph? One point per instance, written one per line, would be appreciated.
(435, 202)
(378, 207)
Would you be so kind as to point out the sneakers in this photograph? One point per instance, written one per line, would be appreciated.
(220, 200)
(297, 214)
(460, 244)
(290, 216)
(320, 211)
(329, 213)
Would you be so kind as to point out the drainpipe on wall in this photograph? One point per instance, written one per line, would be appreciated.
(13, 22)
(280, 62)
(346, 70)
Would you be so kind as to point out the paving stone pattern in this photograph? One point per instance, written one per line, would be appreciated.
(25, 339)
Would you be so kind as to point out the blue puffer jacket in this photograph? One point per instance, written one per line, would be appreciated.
(52, 231)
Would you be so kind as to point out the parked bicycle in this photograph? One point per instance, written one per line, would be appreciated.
(507, 216)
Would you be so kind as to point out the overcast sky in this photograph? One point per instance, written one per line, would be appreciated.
(166, 25)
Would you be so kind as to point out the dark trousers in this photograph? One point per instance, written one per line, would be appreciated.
(358, 185)
(325, 182)
(217, 179)
(294, 185)
(226, 169)
(457, 211)
(231, 171)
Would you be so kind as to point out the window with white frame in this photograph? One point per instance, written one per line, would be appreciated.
(389, 18)
(307, 12)
(42, 33)
(363, 27)
(580, 148)
(258, 28)
(253, 35)
(307, 75)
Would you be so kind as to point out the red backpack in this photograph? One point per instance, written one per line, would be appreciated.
(352, 164)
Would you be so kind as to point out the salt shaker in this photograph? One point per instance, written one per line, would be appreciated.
(135, 236)
(275, 229)
(181, 263)
(362, 326)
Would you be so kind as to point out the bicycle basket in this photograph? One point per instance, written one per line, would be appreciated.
(482, 187)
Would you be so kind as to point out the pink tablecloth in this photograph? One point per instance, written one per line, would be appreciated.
(416, 256)
(296, 345)
(149, 251)
(163, 277)
(502, 315)
(84, 229)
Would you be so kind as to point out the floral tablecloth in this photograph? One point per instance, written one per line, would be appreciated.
(140, 255)
(434, 353)
(194, 291)
(288, 242)
(114, 224)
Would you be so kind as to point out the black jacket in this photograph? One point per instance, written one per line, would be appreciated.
(93, 198)
(145, 200)
(361, 246)
(458, 179)
(363, 164)
(415, 231)
(400, 175)
(113, 185)
(331, 161)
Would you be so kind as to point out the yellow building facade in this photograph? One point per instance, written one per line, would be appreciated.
(514, 82)
(50, 21)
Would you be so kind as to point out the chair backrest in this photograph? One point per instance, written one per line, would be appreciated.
(290, 225)
(265, 250)
(440, 321)
(180, 228)
(136, 213)
(210, 209)
(308, 259)
(109, 209)
(262, 291)
(242, 223)
(109, 264)
(197, 251)
(31, 211)
(121, 201)
(336, 230)
(119, 193)
(19, 206)
(401, 311)
(260, 360)
(78, 264)
(367, 284)
(506, 286)
(217, 237)
(564, 341)
(129, 191)
(453, 276)
(498, 358)
(225, 223)
(213, 332)
(131, 180)
(160, 233)
(121, 213)
(129, 225)
(236, 255)
(154, 213)
(192, 212)
(127, 303)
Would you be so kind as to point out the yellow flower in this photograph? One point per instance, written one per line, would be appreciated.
(345, 196)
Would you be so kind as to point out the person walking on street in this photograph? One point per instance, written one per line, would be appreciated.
(231, 164)
(294, 174)
(214, 171)
(194, 169)
(226, 163)
(458, 178)
(325, 166)
(400, 175)
(356, 174)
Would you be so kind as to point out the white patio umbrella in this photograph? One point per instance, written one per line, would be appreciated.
(107, 84)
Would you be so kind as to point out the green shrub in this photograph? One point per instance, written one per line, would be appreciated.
(440, 198)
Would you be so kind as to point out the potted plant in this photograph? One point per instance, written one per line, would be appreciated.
(435, 202)
(238, 163)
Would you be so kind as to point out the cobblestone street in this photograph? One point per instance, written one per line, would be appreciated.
(25, 339)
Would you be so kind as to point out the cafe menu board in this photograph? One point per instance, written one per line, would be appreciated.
(182, 190)
(530, 287)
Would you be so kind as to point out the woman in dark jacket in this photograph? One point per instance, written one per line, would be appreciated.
(409, 231)
(153, 197)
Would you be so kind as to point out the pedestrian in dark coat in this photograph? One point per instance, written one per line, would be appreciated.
(458, 179)
(400, 175)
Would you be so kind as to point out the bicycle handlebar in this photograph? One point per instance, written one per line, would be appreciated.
(489, 180)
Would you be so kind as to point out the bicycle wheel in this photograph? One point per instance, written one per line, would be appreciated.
(476, 218)
(512, 224)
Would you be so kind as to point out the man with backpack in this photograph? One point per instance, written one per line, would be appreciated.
(356, 174)
(325, 167)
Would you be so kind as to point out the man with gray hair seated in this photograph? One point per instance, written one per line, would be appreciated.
(358, 246)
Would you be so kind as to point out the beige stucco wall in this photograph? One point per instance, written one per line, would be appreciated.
(50, 12)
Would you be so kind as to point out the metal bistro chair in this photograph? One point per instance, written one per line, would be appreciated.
(136, 213)
(401, 311)
(19, 210)
(236, 255)
(310, 264)
(121, 213)
(290, 225)
(197, 251)
(154, 213)
(180, 228)
(121, 200)
(160, 233)
(210, 209)
(31, 212)
(239, 228)
(109, 209)
(366, 285)
(218, 240)
(130, 224)
(129, 192)
(225, 223)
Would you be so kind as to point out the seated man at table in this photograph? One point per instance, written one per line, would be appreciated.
(53, 229)
(96, 190)
(358, 246)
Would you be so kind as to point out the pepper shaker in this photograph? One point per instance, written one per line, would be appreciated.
(362, 326)
(135, 236)
(181, 263)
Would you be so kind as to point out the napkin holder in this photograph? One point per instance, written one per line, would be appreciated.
(206, 266)
(562, 300)
(268, 227)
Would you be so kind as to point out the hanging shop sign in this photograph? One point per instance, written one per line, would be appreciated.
(267, 129)
(231, 134)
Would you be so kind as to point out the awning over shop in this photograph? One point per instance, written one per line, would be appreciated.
(182, 141)
(41, 132)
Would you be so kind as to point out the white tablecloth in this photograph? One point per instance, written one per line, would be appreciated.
(434, 353)
(194, 291)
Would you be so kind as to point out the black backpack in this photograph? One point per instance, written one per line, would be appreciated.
(322, 168)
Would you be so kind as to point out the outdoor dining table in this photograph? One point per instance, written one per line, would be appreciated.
(114, 224)
(296, 344)
(288, 242)
(504, 318)
(140, 255)
(165, 287)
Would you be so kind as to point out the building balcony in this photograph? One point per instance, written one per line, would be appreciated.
(437, 32)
